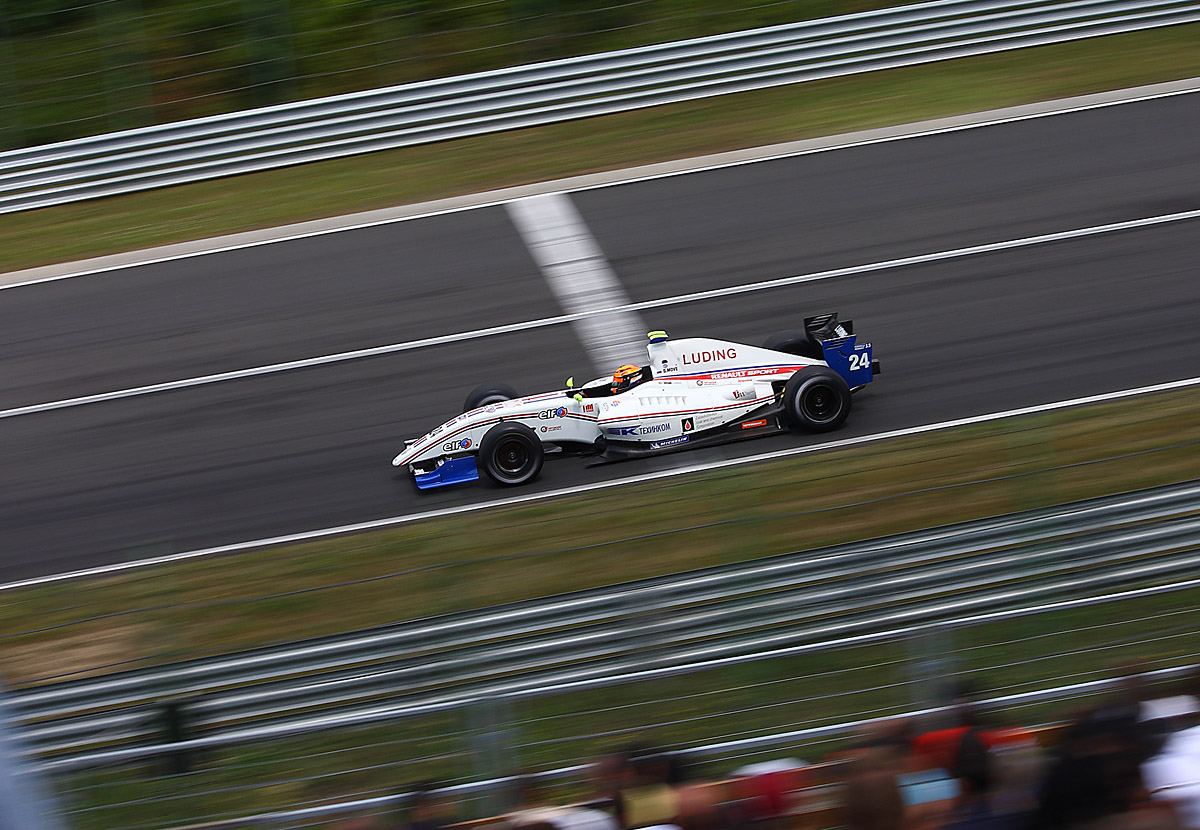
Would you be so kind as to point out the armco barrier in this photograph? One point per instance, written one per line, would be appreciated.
(1147, 537)
(555, 91)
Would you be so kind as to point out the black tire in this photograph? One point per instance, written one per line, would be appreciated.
(486, 393)
(793, 342)
(511, 454)
(816, 399)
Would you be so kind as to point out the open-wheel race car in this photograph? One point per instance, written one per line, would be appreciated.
(693, 392)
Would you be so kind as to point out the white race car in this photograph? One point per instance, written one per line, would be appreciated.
(693, 392)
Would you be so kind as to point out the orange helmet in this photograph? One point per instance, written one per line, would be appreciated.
(627, 377)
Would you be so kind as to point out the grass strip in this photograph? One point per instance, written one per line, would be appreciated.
(413, 174)
(508, 554)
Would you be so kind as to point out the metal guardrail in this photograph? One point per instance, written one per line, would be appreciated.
(556, 91)
(668, 622)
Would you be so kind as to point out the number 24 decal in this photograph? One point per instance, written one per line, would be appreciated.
(860, 360)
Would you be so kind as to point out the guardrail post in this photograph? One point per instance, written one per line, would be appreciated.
(931, 667)
(273, 70)
(491, 746)
(645, 624)
(175, 721)
(10, 84)
(25, 800)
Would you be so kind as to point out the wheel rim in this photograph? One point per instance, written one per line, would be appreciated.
(821, 403)
(512, 457)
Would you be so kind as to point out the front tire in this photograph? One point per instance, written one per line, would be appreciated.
(816, 399)
(511, 454)
(486, 393)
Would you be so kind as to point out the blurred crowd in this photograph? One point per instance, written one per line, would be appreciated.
(1125, 763)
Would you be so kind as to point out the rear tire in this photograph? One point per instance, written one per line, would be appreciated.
(487, 393)
(816, 399)
(793, 342)
(511, 454)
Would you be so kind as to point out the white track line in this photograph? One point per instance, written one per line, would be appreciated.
(581, 279)
(990, 247)
(658, 475)
(649, 172)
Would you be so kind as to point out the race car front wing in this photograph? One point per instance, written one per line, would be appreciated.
(457, 470)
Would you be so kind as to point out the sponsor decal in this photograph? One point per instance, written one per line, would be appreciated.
(589, 407)
(621, 430)
(749, 373)
(436, 431)
(667, 368)
(670, 442)
(740, 394)
(761, 422)
(649, 429)
(490, 409)
(615, 404)
(708, 356)
(688, 424)
(454, 446)
(551, 429)
(547, 414)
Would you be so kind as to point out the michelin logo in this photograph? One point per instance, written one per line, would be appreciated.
(670, 442)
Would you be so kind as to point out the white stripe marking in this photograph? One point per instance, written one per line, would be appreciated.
(393, 348)
(377, 524)
(581, 279)
(593, 181)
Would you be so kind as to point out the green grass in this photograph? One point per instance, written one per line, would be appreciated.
(503, 555)
(469, 165)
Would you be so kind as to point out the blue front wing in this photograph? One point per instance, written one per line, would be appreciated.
(458, 470)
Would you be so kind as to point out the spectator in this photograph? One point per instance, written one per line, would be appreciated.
(607, 775)
(648, 797)
(1096, 782)
(561, 818)
(1173, 775)
(928, 790)
(765, 791)
(872, 794)
(428, 810)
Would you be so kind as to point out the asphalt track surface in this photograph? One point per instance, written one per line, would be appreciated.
(310, 448)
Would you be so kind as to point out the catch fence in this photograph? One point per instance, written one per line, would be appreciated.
(554, 91)
(1027, 666)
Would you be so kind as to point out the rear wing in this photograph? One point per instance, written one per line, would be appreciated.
(841, 350)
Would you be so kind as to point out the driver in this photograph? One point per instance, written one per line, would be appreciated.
(627, 377)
